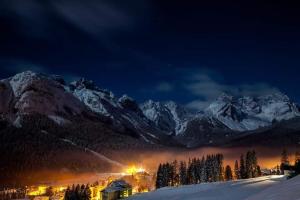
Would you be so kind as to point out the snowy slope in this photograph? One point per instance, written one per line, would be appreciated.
(167, 116)
(124, 112)
(286, 190)
(233, 190)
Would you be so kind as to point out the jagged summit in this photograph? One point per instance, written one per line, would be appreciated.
(250, 113)
(29, 92)
(168, 116)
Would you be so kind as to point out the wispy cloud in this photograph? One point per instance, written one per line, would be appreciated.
(207, 85)
(164, 87)
(94, 17)
(98, 18)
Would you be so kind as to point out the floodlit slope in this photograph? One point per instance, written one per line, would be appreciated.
(233, 190)
(289, 189)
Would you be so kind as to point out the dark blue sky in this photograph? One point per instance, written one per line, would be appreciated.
(187, 51)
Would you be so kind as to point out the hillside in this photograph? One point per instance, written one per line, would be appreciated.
(262, 188)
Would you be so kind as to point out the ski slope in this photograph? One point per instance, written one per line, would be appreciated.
(262, 188)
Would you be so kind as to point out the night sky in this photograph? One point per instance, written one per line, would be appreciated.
(187, 51)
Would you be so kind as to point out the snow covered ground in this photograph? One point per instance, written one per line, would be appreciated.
(262, 188)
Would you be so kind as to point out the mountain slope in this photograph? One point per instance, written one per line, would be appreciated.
(237, 114)
(250, 113)
(282, 134)
(227, 120)
(168, 116)
(29, 93)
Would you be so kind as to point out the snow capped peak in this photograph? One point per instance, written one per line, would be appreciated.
(225, 97)
(30, 92)
(125, 97)
(21, 80)
(58, 79)
(129, 103)
(83, 83)
(250, 113)
(275, 97)
(27, 74)
(168, 116)
(171, 105)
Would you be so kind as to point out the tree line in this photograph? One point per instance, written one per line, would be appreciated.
(286, 164)
(206, 169)
(78, 192)
(247, 167)
(9, 194)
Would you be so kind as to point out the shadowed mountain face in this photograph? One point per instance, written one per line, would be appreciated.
(164, 123)
(44, 120)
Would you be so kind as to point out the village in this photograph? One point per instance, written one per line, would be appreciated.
(136, 179)
(110, 186)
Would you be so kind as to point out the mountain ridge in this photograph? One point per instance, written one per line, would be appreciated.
(163, 123)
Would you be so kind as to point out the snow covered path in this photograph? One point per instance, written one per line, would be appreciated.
(233, 190)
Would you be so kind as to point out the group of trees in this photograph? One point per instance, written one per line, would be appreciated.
(78, 192)
(206, 169)
(197, 170)
(286, 165)
(12, 194)
(247, 168)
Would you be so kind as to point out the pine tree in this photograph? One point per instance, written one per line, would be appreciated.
(174, 173)
(67, 194)
(297, 167)
(228, 173)
(182, 173)
(284, 157)
(255, 167)
(278, 170)
(159, 177)
(82, 188)
(258, 170)
(236, 170)
(220, 168)
(297, 156)
(87, 193)
(189, 172)
(248, 165)
(284, 161)
(192, 171)
(209, 168)
(203, 177)
(77, 192)
(242, 170)
(198, 170)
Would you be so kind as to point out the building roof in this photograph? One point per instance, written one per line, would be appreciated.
(117, 185)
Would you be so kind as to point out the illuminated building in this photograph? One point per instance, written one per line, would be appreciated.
(116, 190)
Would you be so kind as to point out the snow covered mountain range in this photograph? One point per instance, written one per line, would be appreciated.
(49, 95)
(236, 113)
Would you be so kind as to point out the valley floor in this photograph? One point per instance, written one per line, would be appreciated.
(262, 188)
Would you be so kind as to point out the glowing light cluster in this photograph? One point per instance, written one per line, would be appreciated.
(134, 170)
(40, 190)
